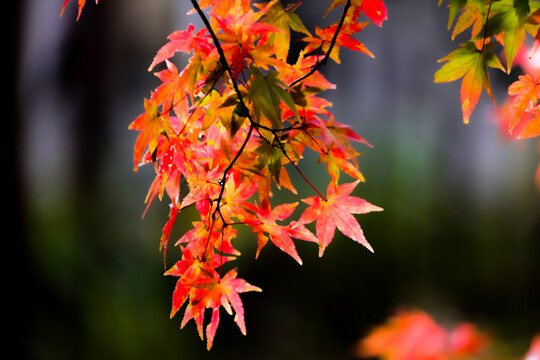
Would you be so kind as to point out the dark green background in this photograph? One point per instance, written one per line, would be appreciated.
(459, 237)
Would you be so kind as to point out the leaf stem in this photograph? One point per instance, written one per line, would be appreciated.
(300, 171)
(293, 6)
(485, 28)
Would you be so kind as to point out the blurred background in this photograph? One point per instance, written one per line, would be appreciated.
(459, 237)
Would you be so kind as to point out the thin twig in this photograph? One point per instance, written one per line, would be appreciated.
(485, 28)
(300, 171)
(227, 68)
(329, 51)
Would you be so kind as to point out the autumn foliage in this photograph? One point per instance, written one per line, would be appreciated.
(231, 125)
(490, 26)
(502, 35)
(225, 131)
(413, 334)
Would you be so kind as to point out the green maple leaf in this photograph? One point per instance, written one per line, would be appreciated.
(271, 157)
(266, 93)
(508, 21)
(471, 64)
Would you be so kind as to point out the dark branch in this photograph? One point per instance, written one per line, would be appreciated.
(327, 55)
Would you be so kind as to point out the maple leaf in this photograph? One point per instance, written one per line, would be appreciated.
(240, 31)
(471, 64)
(235, 196)
(271, 157)
(184, 41)
(151, 125)
(283, 20)
(263, 222)
(164, 174)
(166, 232)
(337, 211)
(315, 83)
(203, 181)
(526, 92)
(333, 133)
(266, 92)
(206, 289)
(170, 93)
(508, 25)
(532, 128)
(81, 6)
(190, 271)
(336, 160)
(324, 39)
(207, 234)
(472, 15)
(226, 293)
(375, 10)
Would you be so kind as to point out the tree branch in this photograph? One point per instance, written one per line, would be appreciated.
(327, 55)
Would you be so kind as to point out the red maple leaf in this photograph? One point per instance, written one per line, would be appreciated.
(375, 10)
(226, 293)
(81, 5)
(337, 211)
(184, 41)
(206, 289)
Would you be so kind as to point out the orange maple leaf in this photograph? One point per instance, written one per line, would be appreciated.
(526, 92)
(150, 124)
(336, 160)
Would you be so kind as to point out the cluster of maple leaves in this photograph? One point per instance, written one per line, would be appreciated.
(223, 132)
(413, 334)
(231, 125)
(495, 24)
(514, 27)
